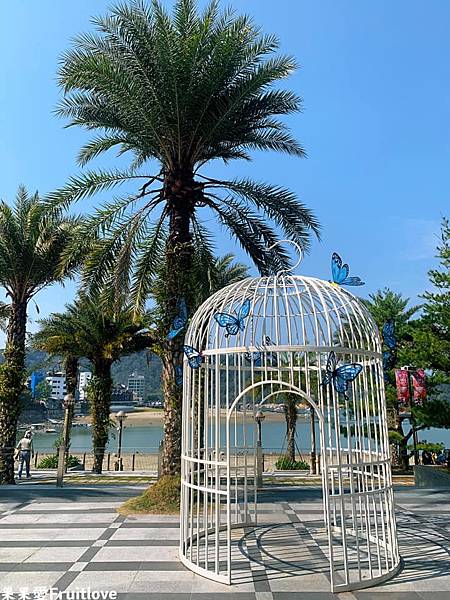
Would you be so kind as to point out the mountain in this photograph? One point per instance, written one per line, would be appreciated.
(134, 363)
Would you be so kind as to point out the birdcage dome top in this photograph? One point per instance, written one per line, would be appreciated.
(283, 311)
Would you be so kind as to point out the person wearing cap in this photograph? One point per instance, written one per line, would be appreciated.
(26, 451)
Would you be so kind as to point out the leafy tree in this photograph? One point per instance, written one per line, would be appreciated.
(386, 304)
(101, 332)
(178, 92)
(43, 390)
(435, 347)
(32, 241)
(422, 342)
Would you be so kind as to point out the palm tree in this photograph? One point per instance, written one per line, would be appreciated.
(57, 337)
(290, 413)
(179, 92)
(32, 242)
(102, 332)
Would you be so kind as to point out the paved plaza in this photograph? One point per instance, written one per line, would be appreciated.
(73, 539)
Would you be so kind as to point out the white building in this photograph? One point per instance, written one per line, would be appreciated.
(83, 382)
(136, 384)
(57, 383)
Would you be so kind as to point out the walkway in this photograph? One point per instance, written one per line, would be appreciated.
(73, 539)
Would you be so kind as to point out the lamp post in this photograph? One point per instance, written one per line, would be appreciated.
(68, 416)
(120, 416)
(259, 418)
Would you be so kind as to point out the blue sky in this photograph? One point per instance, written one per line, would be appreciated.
(375, 79)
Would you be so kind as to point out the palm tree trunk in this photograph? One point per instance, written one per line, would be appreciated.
(291, 426)
(99, 394)
(181, 197)
(312, 420)
(12, 376)
(71, 369)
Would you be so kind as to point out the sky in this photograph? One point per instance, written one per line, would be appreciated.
(375, 82)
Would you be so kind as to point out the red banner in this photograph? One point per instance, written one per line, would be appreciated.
(419, 387)
(402, 381)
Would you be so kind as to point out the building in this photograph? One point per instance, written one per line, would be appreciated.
(136, 385)
(83, 382)
(122, 399)
(57, 382)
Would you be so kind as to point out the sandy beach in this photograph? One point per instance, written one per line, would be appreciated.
(154, 416)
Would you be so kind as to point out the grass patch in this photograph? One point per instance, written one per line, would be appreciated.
(163, 497)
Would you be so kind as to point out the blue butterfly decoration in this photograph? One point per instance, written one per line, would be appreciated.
(180, 321)
(256, 357)
(234, 323)
(340, 376)
(340, 272)
(194, 356)
(387, 359)
(179, 375)
(389, 334)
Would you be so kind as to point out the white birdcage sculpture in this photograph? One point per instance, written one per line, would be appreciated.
(235, 363)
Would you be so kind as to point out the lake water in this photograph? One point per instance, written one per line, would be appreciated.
(147, 438)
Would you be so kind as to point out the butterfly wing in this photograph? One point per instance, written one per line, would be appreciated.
(388, 334)
(254, 357)
(344, 374)
(194, 357)
(230, 322)
(329, 369)
(242, 315)
(244, 311)
(178, 374)
(386, 359)
(179, 322)
(352, 281)
(339, 271)
(174, 331)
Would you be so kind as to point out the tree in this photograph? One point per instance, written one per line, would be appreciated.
(32, 240)
(208, 275)
(179, 91)
(436, 310)
(57, 337)
(102, 332)
(386, 305)
(290, 413)
(421, 342)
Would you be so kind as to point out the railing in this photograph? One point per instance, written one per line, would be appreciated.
(147, 459)
(141, 460)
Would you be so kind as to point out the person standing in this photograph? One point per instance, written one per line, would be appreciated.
(26, 451)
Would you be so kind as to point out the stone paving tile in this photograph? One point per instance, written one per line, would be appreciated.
(137, 556)
(136, 553)
(17, 579)
(119, 581)
(136, 533)
(46, 554)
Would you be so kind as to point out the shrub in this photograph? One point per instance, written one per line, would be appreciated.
(162, 497)
(284, 463)
(51, 462)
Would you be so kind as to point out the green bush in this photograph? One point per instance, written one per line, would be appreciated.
(163, 497)
(284, 463)
(51, 462)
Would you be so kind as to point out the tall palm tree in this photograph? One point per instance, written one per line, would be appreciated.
(102, 332)
(179, 92)
(32, 241)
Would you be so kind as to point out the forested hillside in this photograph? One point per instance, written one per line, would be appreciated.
(137, 363)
